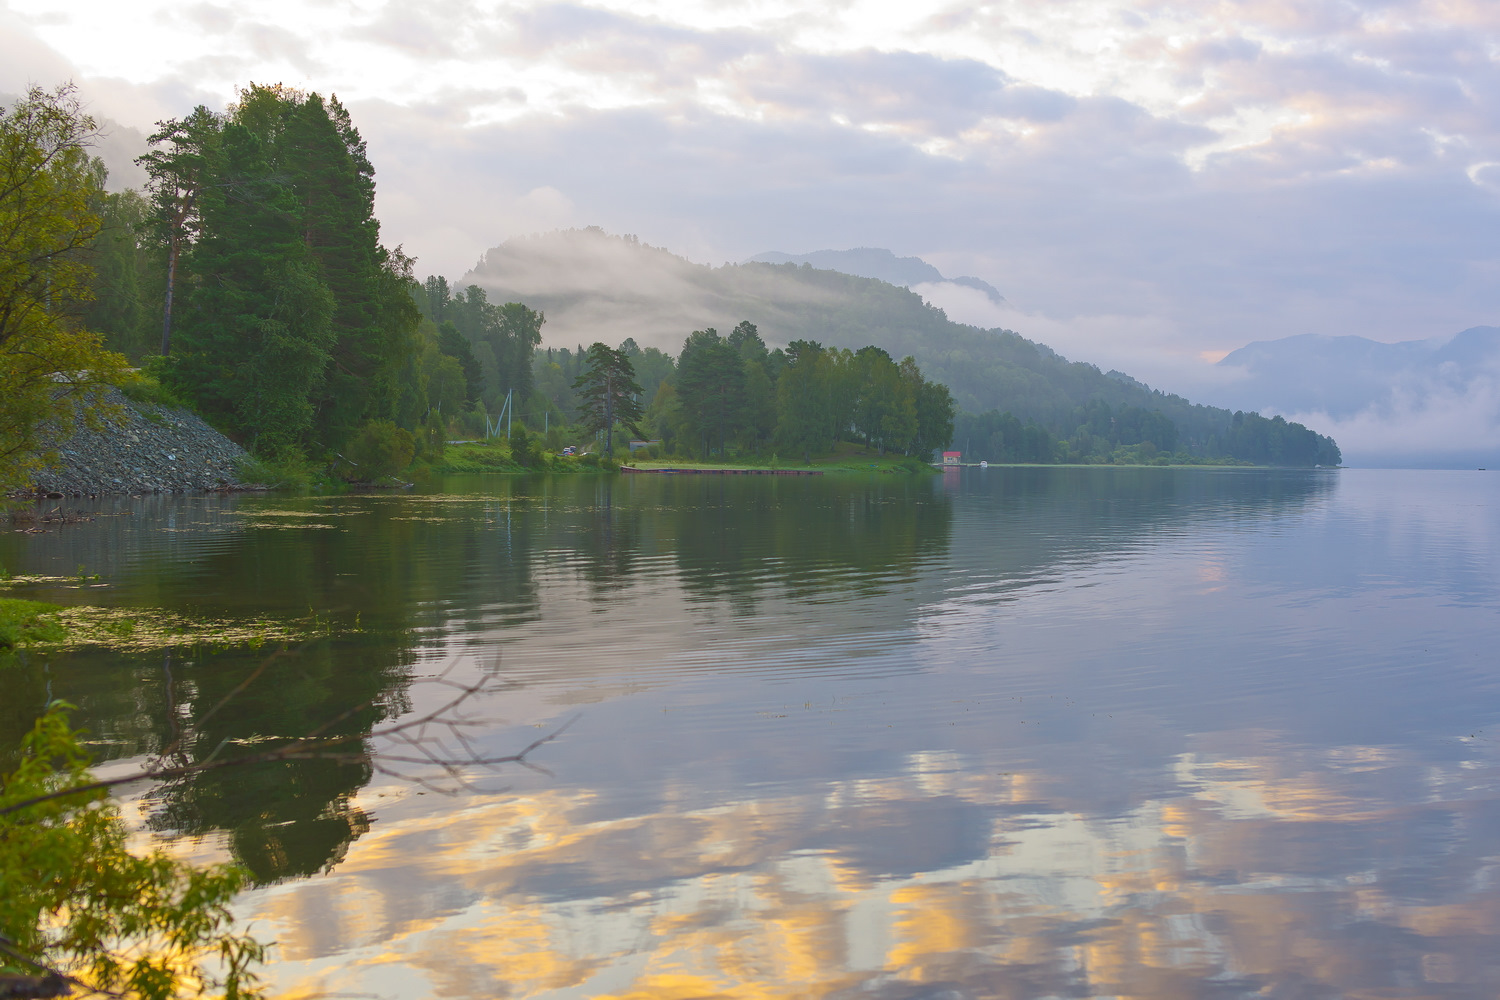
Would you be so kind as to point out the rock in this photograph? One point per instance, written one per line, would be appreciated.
(153, 450)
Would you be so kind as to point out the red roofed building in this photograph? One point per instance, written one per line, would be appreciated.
(952, 457)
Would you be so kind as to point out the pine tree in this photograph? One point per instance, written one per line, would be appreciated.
(710, 388)
(178, 174)
(255, 345)
(608, 394)
(302, 324)
(453, 344)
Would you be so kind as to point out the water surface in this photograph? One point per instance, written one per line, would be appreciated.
(1003, 733)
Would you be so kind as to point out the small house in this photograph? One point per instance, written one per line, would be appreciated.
(952, 457)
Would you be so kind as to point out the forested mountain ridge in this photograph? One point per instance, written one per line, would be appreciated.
(592, 285)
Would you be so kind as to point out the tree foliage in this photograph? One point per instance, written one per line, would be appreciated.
(75, 901)
(380, 449)
(733, 395)
(608, 393)
(288, 323)
(1131, 434)
(52, 369)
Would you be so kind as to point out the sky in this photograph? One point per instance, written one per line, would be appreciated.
(1151, 185)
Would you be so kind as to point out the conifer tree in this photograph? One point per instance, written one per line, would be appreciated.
(301, 323)
(710, 388)
(178, 173)
(255, 344)
(608, 393)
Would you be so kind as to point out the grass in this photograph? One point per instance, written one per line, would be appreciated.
(483, 457)
(294, 471)
(26, 623)
(847, 458)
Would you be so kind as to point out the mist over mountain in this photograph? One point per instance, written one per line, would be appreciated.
(115, 144)
(1432, 402)
(596, 287)
(882, 265)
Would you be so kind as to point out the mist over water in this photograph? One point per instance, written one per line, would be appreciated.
(1003, 732)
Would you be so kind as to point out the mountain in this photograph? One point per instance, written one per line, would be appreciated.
(1429, 402)
(882, 265)
(1342, 376)
(596, 287)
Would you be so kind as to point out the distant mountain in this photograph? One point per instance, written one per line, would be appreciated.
(1342, 376)
(596, 287)
(1416, 402)
(882, 265)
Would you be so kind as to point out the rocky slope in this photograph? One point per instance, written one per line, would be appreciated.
(154, 449)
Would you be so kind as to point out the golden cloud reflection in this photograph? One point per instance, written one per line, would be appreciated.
(1268, 874)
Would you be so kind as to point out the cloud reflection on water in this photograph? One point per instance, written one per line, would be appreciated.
(1274, 870)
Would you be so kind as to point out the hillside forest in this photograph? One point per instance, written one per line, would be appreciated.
(249, 282)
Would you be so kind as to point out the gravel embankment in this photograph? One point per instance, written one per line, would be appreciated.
(155, 450)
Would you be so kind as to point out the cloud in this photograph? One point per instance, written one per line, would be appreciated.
(1429, 426)
(966, 305)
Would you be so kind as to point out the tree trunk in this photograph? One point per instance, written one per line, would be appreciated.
(166, 324)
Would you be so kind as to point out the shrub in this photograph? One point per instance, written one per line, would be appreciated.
(118, 921)
(380, 448)
(523, 450)
(432, 436)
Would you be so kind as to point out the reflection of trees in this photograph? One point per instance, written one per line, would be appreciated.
(610, 545)
(1025, 521)
(370, 584)
(736, 536)
(393, 570)
(290, 817)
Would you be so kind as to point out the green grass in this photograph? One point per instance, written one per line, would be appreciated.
(291, 472)
(847, 458)
(26, 623)
(482, 457)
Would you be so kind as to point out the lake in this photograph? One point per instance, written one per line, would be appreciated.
(1007, 732)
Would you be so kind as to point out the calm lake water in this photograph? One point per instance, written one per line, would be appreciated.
(1004, 733)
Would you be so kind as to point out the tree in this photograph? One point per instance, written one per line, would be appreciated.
(256, 344)
(79, 909)
(126, 278)
(380, 449)
(504, 338)
(178, 172)
(51, 368)
(710, 387)
(301, 324)
(523, 450)
(453, 344)
(803, 421)
(934, 405)
(326, 161)
(608, 394)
